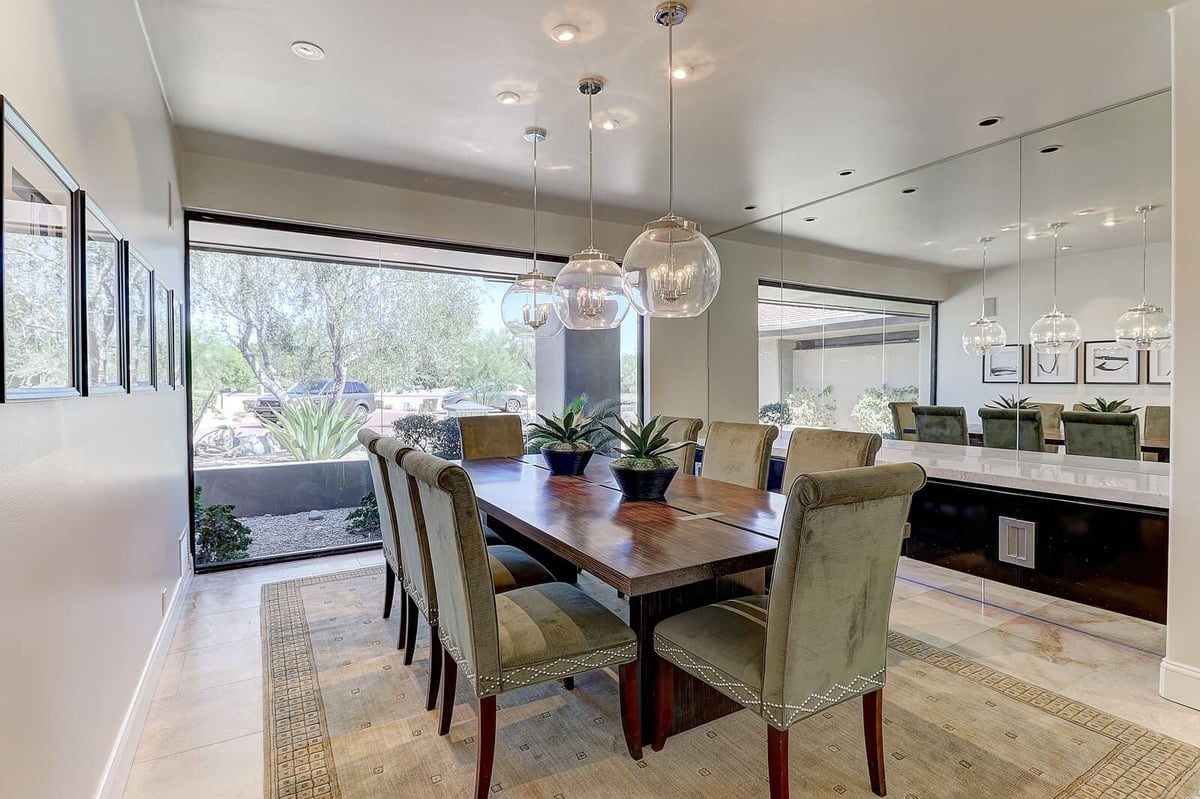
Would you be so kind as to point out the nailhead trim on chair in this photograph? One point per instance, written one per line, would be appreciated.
(483, 686)
(431, 616)
(567, 666)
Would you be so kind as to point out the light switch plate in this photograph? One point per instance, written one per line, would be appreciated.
(1018, 542)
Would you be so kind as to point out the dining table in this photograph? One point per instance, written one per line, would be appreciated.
(1158, 445)
(707, 540)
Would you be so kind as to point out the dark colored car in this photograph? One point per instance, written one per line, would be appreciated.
(514, 400)
(357, 397)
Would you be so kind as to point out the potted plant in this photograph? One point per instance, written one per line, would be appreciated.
(643, 471)
(1014, 402)
(565, 441)
(1101, 405)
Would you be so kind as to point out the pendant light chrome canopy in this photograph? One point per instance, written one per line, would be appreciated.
(985, 333)
(530, 305)
(592, 284)
(1056, 333)
(671, 269)
(1145, 326)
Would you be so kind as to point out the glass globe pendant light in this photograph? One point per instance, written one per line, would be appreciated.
(1056, 333)
(592, 285)
(530, 305)
(671, 270)
(1145, 326)
(985, 333)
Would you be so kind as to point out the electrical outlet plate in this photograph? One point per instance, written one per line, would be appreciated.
(1018, 542)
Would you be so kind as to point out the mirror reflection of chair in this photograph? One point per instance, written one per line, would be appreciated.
(817, 450)
(941, 424)
(902, 419)
(683, 429)
(1158, 425)
(1102, 435)
(1009, 428)
(496, 435)
(739, 453)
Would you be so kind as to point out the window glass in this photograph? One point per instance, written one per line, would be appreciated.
(103, 304)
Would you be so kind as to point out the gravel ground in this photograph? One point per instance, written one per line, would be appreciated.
(275, 535)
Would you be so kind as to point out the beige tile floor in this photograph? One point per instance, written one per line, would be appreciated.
(203, 735)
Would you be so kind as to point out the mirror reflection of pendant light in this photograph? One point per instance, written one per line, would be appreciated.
(1056, 333)
(1145, 326)
(530, 305)
(985, 333)
(671, 269)
(591, 284)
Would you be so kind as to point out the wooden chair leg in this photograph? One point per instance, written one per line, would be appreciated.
(449, 685)
(777, 762)
(569, 683)
(435, 669)
(389, 589)
(664, 704)
(410, 633)
(404, 617)
(631, 702)
(487, 747)
(873, 731)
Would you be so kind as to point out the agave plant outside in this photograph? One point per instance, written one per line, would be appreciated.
(315, 430)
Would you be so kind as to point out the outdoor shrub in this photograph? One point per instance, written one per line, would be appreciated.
(427, 433)
(219, 536)
(364, 520)
(776, 413)
(872, 413)
(805, 408)
(315, 430)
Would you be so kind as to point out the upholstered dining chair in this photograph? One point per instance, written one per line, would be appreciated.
(497, 435)
(941, 424)
(902, 419)
(1157, 424)
(392, 567)
(500, 642)
(1102, 435)
(683, 429)
(507, 567)
(1008, 428)
(1051, 414)
(820, 637)
(816, 450)
(739, 453)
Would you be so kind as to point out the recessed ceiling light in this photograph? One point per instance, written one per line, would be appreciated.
(308, 51)
(961, 249)
(987, 122)
(508, 98)
(1009, 228)
(682, 73)
(1087, 211)
(1110, 223)
(749, 207)
(1031, 236)
(810, 219)
(564, 33)
(932, 243)
(610, 124)
(909, 190)
(845, 173)
(1050, 148)
(1065, 247)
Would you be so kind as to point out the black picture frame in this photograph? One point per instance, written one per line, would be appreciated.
(178, 322)
(1087, 366)
(1154, 366)
(161, 301)
(1035, 368)
(121, 303)
(989, 369)
(138, 269)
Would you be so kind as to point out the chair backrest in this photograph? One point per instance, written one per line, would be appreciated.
(1158, 421)
(902, 419)
(812, 450)
(684, 428)
(1051, 414)
(739, 453)
(384, 499)
(410, 524)
(467, 623)
(941, 424)
(1102, 435)
(497, 435)
(831, 593)
(1008, 428)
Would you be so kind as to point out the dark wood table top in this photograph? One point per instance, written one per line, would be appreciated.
(636, 547)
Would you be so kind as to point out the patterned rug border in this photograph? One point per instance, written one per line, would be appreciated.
(1143, 764)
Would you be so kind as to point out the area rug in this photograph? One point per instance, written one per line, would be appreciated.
(345, 719)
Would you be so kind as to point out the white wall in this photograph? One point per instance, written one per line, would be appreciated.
(1095, 288)
(93, 492)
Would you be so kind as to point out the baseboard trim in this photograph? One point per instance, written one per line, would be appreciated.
(120, 760)
(1180, 683)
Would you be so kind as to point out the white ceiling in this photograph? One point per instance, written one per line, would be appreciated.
(785, 93)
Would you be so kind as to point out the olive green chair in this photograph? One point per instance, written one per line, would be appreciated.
(683, 429)
(820, 637)
(497, 435)
(941, 424)
(509, 568)
(393, 569)
(1158, 425)
(1008, 428)
(815, 450)
(903, 419)
(500, 642)
(1051, 414)
(739, 453)
(1102, 435)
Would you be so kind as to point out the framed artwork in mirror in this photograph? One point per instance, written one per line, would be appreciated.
(140, 290)
(1160, 365)
(1005, 364)
(1047, 369)
(104, 288)
(1107, 362)
(162, 336)
(179, 359)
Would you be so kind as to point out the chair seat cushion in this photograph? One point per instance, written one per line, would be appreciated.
(491, 537)
(722, 644)
(554, 630)
(512, 568)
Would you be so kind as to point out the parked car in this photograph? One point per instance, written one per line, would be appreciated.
(357, 397)
(514, 400)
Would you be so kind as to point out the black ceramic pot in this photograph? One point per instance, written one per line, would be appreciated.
(566, 462)
(644, 484)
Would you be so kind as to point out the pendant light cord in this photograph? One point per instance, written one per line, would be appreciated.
(983, 298)
(1145, 213)
(591, 181)
(1057, 225)
(671, 118)
(535, 218)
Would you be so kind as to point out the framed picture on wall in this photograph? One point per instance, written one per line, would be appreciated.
(1048, 369)
(1005, 364)
(1160, 365)
(1108, 362)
